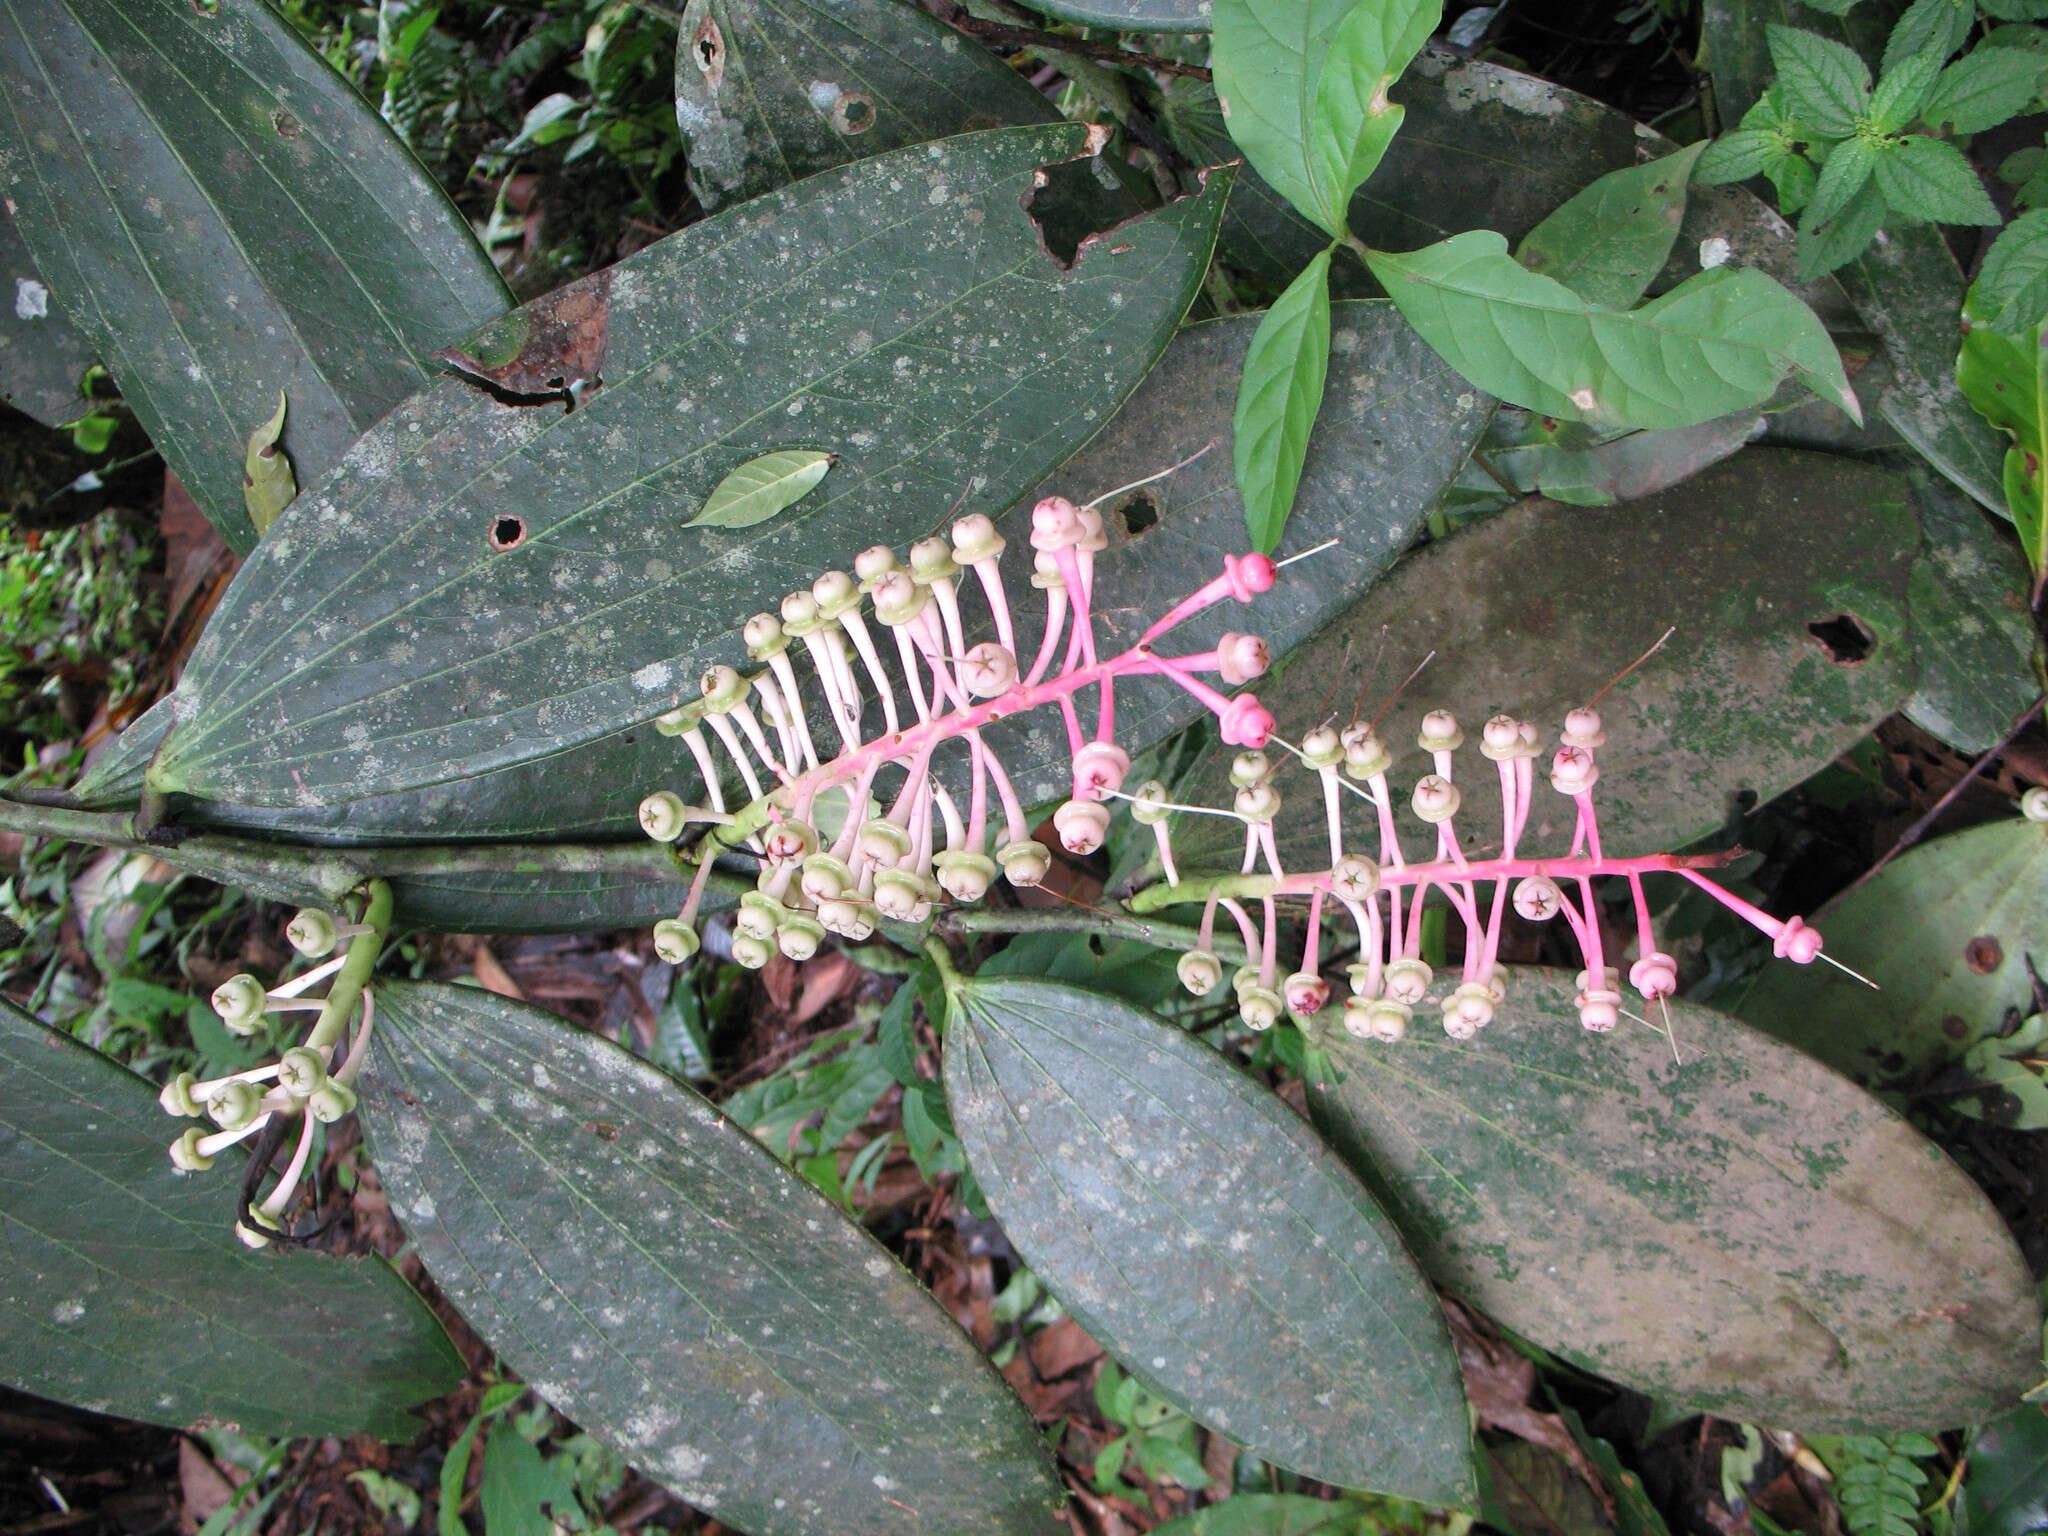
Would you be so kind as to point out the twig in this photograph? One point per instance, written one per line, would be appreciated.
(1053, 42)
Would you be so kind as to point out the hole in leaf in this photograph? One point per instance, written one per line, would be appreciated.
(508, 533)
(853, 112)
(1984, 954)
(286, 125)
(1846, 639)
(1075, 201)
(1140, 512)
(709, 47)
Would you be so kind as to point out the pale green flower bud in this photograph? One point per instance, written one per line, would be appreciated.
(240, 1001)
(663, 816)
(186, 1156)
(312, 933)
(301, 1071)
(331, 1101)
(176, 1096)
(234, 1105)
(675, 941)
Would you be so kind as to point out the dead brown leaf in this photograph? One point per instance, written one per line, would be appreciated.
(203, 1488)
(1061, 1349)
(1499, 1382)
(492, 976)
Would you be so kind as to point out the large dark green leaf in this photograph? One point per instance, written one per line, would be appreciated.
(1533, 610)
(1197, 1228)
(2006, 1490)
(770, 91)
(1945, 930)
(1747, 1233)
(654, 1272)
(225, 218)
(1396, 426)
(1131, 15)
(484, 584)
(1972, 635)
(123, 1288)
(42, 356)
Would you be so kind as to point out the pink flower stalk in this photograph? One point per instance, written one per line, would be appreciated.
(1383, 895)
(848, 830)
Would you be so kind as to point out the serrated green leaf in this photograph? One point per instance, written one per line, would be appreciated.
(1131, 15)
(1613, 238)
(1718, 342)
(462, 525)
(1746, 1232)
(1826, 86)
(771, 91)
(1278, 401)
(267, 483)
(123, 1288)
(226, 218)
(1939, 27)
(1930, 179)
(2011, 291)
(762, 487)
(1910, 928)
(1828, 245)
(1845, 173)
(2016, 10)
(743, 1341)
(1235, 1268)
(1793, 178)
(1351, 121)
(1737, 156)
(43, 357)
(1984, 88)
(1902, 90)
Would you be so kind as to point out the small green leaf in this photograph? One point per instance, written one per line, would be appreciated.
(2015, 1094)
(1938, 27)
(1608, 242)
(2016, 10)
(1277, 401)
(1276, 1514)
(1840, 240)
(1721, 341)
(762, 487)
(1826, 86)
(1929, 179)
(1846, 172)
(1351, 122)
(1901, 90)
(2011, 291)
(2006, 379)
(1984, 89)
(267, 483)
(1793, 179)
(1736, 156)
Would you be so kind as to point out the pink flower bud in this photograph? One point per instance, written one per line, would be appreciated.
(1500, 739)
(785, 842)
(1573, 771)
(1099, 767)
(1025, 863)
(975, 539)
(1436, 798)
(1306, 994)
(1055, 524)
(1655, 975)
(1440, 732)
(1796, 942)
(1408, 980)
(1240, 658)
(872, 564)
(1245, 723)
(898, 598)
(1537, 898)
(1322, 748)
(1258, 802)
(1082, 825)
(1354, 877)
(1249, 575)
(1599, 999)
(1582, 729)
(989, 670)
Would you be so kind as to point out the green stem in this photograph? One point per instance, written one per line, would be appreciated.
(356, 967)
(1155, 898)
(1117, 924)
(942, 957)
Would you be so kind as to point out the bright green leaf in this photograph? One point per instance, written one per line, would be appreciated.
(1846, 171)
(1351, 122)
(1929, 179)
(1826, 246)
(2006, 379)
(1938, 27)
(1719, 342)
(2011, 291)
(1793, 179)
(1736, 156)
(1984, 89)
(1234, 1267)
(2016, 10)
(1902, 89)
(1278, 399)
(762, 487)
(2015, 1093)
(267, 483)
(1613, 238)
(1826, 86)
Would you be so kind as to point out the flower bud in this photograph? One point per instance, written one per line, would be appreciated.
(899, 599)
(988, 670)
(1387, 1021)
(1082, 825)
(785, 842)
(753, 950)
(848, 919)
(799, 935)
(186, 1156)
(2034, 804)
(176, 1097)
(1306, 993)
(1500, 739)
(1100, 767)
(1257, 802)
(1244, 976)
(884, 842)
(1599, 999)
(1436, 798)
(1259, 1007)
(1796, 942)
(1025, 862)
(1199, 971)
(240, 1001)
(234, 1105)
(932, 560)
(1573, 771)
(800, 615)
(255, 1237)
(1094, 536)
(759, 915)
(975, 539)
(1149, 805)
(1582, 729)
(835, 592)
(1354, 877)
(312, 933)
(763, 637)
(1045, 572)
(1537, 898)
(676, 721)
(1467, 1010)
(1440, 732)
(301, 1071)
(1249, 768)
(1322, 748)
(663, 816)
(872, 564)
(898, 894)
(1245, 722)
(1358, 1018)
(1055, 524)
(1240, 658)
(1655, 975)
(964, 874)
(1365, 755)
(1408, 980)
(825, 878)
(675, 941)
(1359, 974)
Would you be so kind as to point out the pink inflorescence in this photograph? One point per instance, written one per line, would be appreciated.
(1384, 895)
(832, 855)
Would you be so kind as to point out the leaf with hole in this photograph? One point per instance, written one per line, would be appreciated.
(1351, 120)
(741, 1340)
(762, 487)
(942, 395)
(771, 91)
(1944, 930)
(1195, 1227)
(226, 218)
(1613, 238)
(124, 1289)
(1746, 1233)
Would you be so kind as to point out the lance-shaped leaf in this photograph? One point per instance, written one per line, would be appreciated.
(1351, 119)
(1278, 401)
(771, 91)
(1199, 1230)
(759, 489)
(1745, 1233)
(1719, 342)
(1531, 611)
(655, 1273)
(123, 1288)
(226, 218)
(43, 358)
(1945, 930)
(1612, 239)
(1131, 15)
(483, 584)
